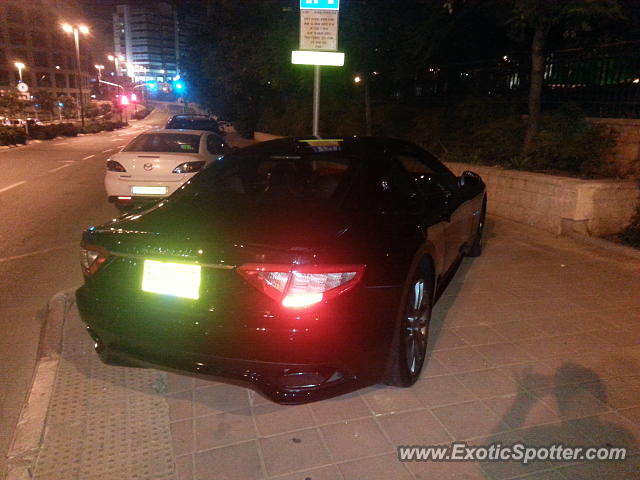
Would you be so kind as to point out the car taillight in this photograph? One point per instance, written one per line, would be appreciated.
(188, 167)
(91, 258)
(114, 166)
(297, 286)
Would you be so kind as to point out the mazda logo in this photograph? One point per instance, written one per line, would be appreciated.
(148, 166)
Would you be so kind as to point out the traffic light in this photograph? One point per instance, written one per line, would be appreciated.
(152, 85)
(179, 86)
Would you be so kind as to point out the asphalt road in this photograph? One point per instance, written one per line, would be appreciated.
(49, 192)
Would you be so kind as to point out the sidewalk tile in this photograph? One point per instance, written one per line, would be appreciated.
(443, 390)
(235, 462)
(184, 467)
(489, 383)
(344, 407)
(322, 473)
(353, 439)
(293, 451)
(461, 360)
(182, 436)
(468, 420)
(413, 428)
(383, 399)
(446, 470)
(220, 398)
(223, 429)
(378, 468)
(180, 405)
(273, 419)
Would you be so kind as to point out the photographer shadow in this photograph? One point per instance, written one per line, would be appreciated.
(569, 408)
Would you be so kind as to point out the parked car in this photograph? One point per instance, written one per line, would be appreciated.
(307, 267)
(156, 163)
(194, 122)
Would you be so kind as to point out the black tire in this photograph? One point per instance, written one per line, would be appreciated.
(476, 246)
(409, 346)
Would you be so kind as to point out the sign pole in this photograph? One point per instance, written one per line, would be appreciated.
(318, 44)
(316, 101)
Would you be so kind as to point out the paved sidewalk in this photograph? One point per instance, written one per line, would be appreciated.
(537, 341)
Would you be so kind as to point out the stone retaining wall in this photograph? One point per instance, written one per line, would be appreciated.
(558, 204)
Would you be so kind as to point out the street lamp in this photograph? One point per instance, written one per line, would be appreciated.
(367, 100)
(116, 59)
(99, 68)
(84, 30)
(19, 66)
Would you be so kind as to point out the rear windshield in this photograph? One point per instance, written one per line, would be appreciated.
(194, 124)
(273, 178)
(165, 142)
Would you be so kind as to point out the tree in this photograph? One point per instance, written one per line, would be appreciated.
(540, 17)
(10, 103)
(91, 110)
(47, 101)
(69, 108)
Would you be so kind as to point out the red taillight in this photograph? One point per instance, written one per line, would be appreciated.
(91, 258)
(114, 166)
(297, 286)
(188, 167)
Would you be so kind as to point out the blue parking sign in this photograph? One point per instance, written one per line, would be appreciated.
(320, 4)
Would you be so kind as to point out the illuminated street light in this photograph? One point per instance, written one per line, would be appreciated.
(99, 68)
(85, 30)
(366, 80)
(19, 66)
(116, 59)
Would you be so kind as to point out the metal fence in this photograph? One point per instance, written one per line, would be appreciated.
(604, 81)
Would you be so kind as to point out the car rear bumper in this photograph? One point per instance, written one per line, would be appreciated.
(122, 187)
(288, 368)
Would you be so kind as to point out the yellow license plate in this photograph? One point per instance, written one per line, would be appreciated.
(175, 279)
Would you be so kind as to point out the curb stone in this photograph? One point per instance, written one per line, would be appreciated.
(30, 428)
(605, 244)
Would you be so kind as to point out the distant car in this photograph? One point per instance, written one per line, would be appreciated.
(308, 267)
(194, 122)
(155, 164)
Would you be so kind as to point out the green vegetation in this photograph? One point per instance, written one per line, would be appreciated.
(11, 136)
(631, 234)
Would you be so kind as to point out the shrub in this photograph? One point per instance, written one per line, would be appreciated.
(42, 132)
(93, 128)
(67, 130)
(631, 234)
(568, 142)
(141, 114)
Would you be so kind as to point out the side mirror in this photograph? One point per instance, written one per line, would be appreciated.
(468, 178)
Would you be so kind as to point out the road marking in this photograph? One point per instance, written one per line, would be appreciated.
(11, 186)
(107, 150)
(62, 143)
(60, 168)
(122, 146)
(90, 156)
(38, 252)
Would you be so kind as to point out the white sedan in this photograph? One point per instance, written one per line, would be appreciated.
(156, 163)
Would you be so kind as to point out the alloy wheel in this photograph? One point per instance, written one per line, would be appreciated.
(416, 326)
